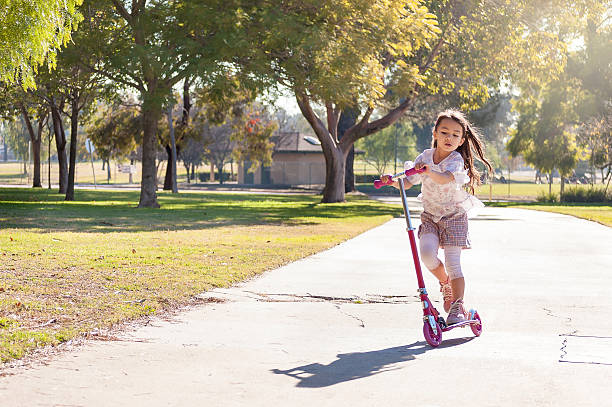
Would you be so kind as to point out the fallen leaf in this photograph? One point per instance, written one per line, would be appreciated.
(133, 250)
(11, 238)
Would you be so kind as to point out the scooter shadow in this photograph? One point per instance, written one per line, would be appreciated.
(357, 365)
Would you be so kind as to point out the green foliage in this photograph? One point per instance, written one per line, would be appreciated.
(381, 148)
(575, 194)
(549, 197)
(339, 51)
(252, 137)
(33, 31)
(114, 131)
(566, 118)
(16, 137)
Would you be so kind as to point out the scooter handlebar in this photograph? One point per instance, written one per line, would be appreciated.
(413, 171)
(385, 180)
(389, 179)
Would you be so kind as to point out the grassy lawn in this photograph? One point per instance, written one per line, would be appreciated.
(520, 190)
(601, 213)
(67, 268)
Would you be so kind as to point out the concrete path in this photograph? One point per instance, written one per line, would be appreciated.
(343, 328)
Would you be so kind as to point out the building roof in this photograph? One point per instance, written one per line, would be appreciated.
(294, 142)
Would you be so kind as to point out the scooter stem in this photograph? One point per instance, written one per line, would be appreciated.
(413, 246)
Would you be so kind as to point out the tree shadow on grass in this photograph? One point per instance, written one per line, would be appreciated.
(357, 365)
(115, 211)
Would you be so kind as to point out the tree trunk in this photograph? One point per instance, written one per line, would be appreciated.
(108, 171)
(349, 172)
(174, 152)
(36, 152)
(187, 167)
(334, 176)
(169, 166)
(5, 150)
(148, 185)
(36, 139)
(562, 188)
(348, 118)
(212, 172)
(74, 129)
(60, 143)
(220, 172)
(131, 181)
(550, 184)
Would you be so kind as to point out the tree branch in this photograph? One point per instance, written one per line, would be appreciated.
(136, 85)
(123, 12)
(327, 142)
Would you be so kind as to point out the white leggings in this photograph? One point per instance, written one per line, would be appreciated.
(429, 244)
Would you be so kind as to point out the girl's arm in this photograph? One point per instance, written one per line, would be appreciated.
(407, 185)
(436, 176)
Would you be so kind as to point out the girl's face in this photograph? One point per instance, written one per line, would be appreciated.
(448, 135)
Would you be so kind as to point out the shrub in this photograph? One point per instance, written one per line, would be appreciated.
(547, 197)
(577, 194)
(205, 176)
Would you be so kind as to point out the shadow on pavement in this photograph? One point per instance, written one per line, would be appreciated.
(357, 365)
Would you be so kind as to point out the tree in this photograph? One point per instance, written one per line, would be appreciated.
(251, 136)
(32, 32)
(388, 145)
(115, 132)
(192, 155)
(565, 115)
(14, 133)
(150, 46)
(545, 134)
(382, 57)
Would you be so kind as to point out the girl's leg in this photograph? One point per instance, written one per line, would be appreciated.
(452, 259)
(428, 245)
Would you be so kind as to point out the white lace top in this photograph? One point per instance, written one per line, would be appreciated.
(443, 199)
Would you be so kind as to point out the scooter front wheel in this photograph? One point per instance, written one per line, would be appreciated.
(476, 326)
(433, 339)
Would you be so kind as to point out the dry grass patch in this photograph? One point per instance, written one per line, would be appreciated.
(69, 268)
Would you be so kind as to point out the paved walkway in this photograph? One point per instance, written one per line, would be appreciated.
(343, 327)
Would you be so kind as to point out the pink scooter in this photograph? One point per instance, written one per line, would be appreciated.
(433, 323)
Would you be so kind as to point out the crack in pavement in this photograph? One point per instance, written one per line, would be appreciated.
(361, 323)
(369, 299)
(564, 350)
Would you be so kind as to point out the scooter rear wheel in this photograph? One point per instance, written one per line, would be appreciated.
(476, 327)
(432, 339)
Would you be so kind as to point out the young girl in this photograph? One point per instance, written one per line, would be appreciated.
(448, 166)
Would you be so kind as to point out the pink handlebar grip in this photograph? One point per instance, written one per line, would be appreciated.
(413, 171)
(379, 183)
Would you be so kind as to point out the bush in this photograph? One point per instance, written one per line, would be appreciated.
(205, 176)
(577, 194)
(547, 197)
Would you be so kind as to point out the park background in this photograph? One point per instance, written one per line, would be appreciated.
(206, 85)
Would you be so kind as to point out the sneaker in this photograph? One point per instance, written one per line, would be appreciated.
(447, 294)
(456, 313)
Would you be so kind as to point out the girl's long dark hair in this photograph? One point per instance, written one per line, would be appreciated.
(472, 143)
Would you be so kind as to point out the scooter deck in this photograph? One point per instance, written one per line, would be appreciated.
(457, 325)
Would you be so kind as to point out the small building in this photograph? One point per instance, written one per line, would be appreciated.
(297, 159)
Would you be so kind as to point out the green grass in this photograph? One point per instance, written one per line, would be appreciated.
(520, 190)
(69, 267)
(601, 213)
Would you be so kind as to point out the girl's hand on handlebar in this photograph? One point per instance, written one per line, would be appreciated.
(420, 165)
